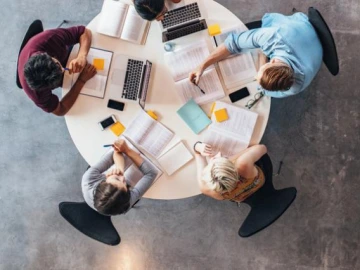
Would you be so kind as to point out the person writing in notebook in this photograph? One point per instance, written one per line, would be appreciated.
(104, 186)
(41, 67)
(223, 179)
(152, 9)
(291, 44)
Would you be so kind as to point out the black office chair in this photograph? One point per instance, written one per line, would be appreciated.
(330, 56)
(267, 204)
(35, 28)
(90, 222)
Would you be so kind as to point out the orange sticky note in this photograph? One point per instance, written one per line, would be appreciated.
(99, 63)
(117, 129)
(152, 114)
(214, 29)
(221, 115)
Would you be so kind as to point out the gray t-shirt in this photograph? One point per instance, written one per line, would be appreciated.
(95, 175)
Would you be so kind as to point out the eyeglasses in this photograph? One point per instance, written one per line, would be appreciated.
(252, 102)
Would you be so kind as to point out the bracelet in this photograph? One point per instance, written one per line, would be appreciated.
(195, 146)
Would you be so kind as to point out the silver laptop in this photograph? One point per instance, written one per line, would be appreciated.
(180, 21)
(129, 78)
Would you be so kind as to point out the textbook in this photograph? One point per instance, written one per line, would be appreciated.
(233, 135)
(181, 62)
(148, 133)
(96, 86)
(121, 20)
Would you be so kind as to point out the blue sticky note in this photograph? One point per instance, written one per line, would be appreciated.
(194, 116)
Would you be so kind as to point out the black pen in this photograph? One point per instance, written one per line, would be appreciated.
(202, 91)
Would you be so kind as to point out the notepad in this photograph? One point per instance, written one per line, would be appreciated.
(214, 29)
(221, 115)
(117, 129)
(99, 63)
(175, 158)
(194, 116)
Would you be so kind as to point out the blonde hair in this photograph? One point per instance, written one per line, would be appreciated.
(220, 175)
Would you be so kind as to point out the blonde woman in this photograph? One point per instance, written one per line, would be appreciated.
(223, 179)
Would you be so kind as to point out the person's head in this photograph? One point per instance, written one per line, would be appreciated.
(43, 72)
(150, 9)
(220, 175)
(112, 197)
(275, 75)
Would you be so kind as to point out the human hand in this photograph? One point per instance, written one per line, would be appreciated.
(114, 171)
(203, 149)
(88, 72)
(121, 146)
(194, 76)
(78, 64)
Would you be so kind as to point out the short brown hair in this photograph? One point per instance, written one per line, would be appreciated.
(277, 78)
(109, 200)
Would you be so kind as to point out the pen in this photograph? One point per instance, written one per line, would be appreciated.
(202, 91)
(108, 145)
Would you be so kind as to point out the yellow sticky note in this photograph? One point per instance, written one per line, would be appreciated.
(212, 108)
(214, 29)
(152, 114)
(221, 115)
(99, 63)
(117, 129)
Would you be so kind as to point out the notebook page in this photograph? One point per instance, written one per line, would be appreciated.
(134, 27)
(112, 18)
(209, 82)
(220, 39)
(175, 158)
(182, 61)
(139, 127)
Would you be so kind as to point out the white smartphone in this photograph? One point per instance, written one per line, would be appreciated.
(107, 122)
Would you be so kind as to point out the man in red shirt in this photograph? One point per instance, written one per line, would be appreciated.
(41, 67)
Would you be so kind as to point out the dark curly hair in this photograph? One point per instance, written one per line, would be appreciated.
(149, 9)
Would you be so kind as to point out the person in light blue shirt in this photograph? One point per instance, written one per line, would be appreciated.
(291, 44)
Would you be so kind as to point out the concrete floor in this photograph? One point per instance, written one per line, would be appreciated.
(316, 134)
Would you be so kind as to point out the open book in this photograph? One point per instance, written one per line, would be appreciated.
(181, 62)
(148, 133)
(233, 135)
(237, 69)
(96, 85)
(121, 20)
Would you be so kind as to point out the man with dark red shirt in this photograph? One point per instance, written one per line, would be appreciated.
(41, 67)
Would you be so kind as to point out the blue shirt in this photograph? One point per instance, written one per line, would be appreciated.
(291, 39)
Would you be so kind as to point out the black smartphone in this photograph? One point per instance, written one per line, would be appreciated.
(107, 122)
(239, 94)
(117, 105)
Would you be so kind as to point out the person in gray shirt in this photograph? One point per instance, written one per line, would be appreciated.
(107, 191)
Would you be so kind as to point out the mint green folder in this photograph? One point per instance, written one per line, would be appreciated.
(194, 116)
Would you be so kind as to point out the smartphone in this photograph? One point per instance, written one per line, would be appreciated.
(239, 94)
(107, 122)
(117, 105)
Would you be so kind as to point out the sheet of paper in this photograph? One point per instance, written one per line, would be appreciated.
(220, 39)
(237, 70)
(134, 27)
(112, 18)
(194, 116)
(182, 61)
(209, 82)
(148, 133)
(175, 158)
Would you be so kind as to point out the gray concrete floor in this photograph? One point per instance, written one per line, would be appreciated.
(316, 134)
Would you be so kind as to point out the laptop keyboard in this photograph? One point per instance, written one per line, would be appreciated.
(181, 15)
(184, 31)
(132, 79)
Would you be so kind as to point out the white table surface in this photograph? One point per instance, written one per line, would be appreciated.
(82, 120)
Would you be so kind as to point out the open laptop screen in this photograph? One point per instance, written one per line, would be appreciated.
(145, 84)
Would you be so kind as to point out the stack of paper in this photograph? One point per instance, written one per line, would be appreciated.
(175, 158)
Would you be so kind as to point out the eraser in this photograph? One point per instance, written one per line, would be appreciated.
(99, 63)
(152, 114)
(214, 29)
(117, 129)
(221, 115)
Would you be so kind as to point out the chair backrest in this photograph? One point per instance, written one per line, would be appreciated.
(330, 56)
(35, 28)
(90, 222)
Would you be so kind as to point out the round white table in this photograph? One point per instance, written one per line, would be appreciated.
(82, 120)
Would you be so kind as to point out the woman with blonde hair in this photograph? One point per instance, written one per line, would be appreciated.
(223, 179)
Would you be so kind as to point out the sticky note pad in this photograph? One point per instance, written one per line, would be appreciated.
(99, 63)
(152, 114)
(221, 115)
(117, 129)
(214, 29)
